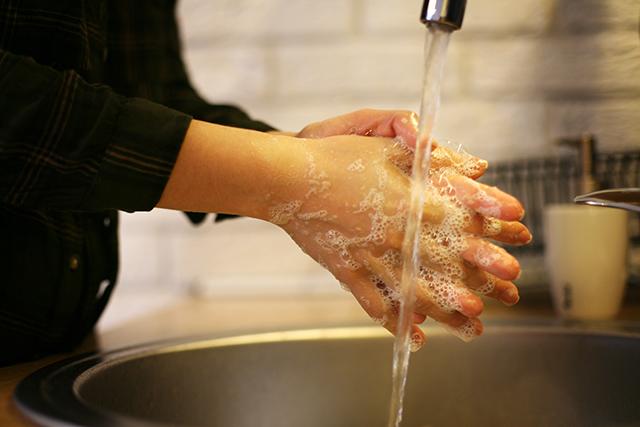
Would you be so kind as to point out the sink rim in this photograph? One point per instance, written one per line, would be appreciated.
(50, 396)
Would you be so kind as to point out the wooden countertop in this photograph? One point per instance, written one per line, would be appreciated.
(191, 317)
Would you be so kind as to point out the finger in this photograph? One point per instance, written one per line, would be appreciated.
(487, 284)
(393, 124)
(511, 232)
(389, 274)
(401, 156)
(487, 201)
(471, 329)
(462, 162)
(419, 318)
(378, 296)
(440, 297)
(471, 305)
(383, 312)
(456, 306)
(441, 158)
(417, 338)
(367, 122)
(467, 303)
(373, 301)
(478, 253)
(491, 258)
(462, 323)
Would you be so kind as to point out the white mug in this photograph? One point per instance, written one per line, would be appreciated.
(586, 257)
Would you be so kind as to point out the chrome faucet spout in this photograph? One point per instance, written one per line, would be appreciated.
(447, 14)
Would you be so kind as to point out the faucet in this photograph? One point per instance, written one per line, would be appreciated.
(446, 14)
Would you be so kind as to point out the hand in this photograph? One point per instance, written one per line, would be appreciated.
(343, 199)
(345, 205)
(402, 125)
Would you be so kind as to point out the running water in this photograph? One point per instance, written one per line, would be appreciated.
(435, 50)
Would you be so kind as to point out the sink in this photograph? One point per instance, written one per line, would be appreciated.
(511, 376)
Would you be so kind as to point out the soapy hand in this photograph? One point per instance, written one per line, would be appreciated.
(347, 205)
(344, 200)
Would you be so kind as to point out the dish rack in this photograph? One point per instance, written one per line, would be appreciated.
(538, 182)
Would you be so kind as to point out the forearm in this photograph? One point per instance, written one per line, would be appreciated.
(229, 170)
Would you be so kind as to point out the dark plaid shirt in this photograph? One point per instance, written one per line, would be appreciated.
(75, 147)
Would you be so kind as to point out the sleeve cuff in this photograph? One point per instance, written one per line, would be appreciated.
(139, 157)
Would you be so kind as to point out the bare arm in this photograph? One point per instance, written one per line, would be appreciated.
(228, 170)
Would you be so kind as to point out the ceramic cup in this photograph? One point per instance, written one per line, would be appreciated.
(586, 257)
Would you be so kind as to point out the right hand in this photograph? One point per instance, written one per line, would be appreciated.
(400, 124)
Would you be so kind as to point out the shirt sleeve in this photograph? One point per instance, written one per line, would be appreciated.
(69, 145)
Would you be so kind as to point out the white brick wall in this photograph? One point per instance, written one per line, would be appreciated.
(495, 130)
(231, 74)
(568, 65)
(616, 120)
(255, 21)
(519, 74)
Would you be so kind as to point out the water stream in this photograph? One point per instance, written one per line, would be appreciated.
(435, 50)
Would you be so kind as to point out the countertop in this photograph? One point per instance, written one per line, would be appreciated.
(187, 317)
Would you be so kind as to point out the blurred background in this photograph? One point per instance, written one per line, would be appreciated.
(519, 77)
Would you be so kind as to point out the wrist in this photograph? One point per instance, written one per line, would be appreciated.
(231, 170)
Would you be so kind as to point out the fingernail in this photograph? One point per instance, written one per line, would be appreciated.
(510, 296)
(413, 117)
(525, 236)
(468, 301)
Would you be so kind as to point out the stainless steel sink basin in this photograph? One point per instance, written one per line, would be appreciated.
(512, 376)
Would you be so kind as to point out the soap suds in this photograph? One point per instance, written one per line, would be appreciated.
(442, 273)
(282, 213)
(356, 166)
